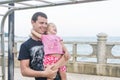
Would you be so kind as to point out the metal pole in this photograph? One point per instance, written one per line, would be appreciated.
(11, 45)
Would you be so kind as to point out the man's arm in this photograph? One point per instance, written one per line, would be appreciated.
(60, 63)
(66, 53)
(63, 59)
(27, 71)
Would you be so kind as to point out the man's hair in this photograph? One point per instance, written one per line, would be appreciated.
(35, 16)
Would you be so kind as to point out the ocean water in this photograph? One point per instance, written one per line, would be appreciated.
(84, 49)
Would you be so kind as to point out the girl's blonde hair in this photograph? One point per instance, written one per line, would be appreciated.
(50, 25)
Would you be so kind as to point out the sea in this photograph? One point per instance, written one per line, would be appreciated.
(82, 49)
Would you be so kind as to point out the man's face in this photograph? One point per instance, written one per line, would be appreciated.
(40, 25)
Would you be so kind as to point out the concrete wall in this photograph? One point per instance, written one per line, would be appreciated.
(94, 69)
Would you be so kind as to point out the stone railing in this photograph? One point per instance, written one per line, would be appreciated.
(101, 52)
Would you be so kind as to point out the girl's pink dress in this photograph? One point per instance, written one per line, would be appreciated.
(52, 45)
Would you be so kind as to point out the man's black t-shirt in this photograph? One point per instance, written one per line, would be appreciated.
(33, 50)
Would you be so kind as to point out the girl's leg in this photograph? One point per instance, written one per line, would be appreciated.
(63, 75)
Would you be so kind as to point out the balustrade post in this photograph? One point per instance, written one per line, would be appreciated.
(101, 48)
(101, 53)
(75, 68)
(15, 49)
(74, 52)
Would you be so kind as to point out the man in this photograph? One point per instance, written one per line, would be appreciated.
(31, 53)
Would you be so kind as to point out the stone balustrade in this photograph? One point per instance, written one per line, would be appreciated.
(101, 52)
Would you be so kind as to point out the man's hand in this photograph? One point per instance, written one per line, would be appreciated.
(50, 73)
(67, 56)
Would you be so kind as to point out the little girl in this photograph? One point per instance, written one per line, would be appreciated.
(53, 48)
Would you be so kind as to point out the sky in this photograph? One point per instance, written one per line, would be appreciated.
(85, 19)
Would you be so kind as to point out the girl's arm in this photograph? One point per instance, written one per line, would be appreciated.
(36, 33)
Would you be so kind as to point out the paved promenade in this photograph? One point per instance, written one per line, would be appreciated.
(71, 76)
